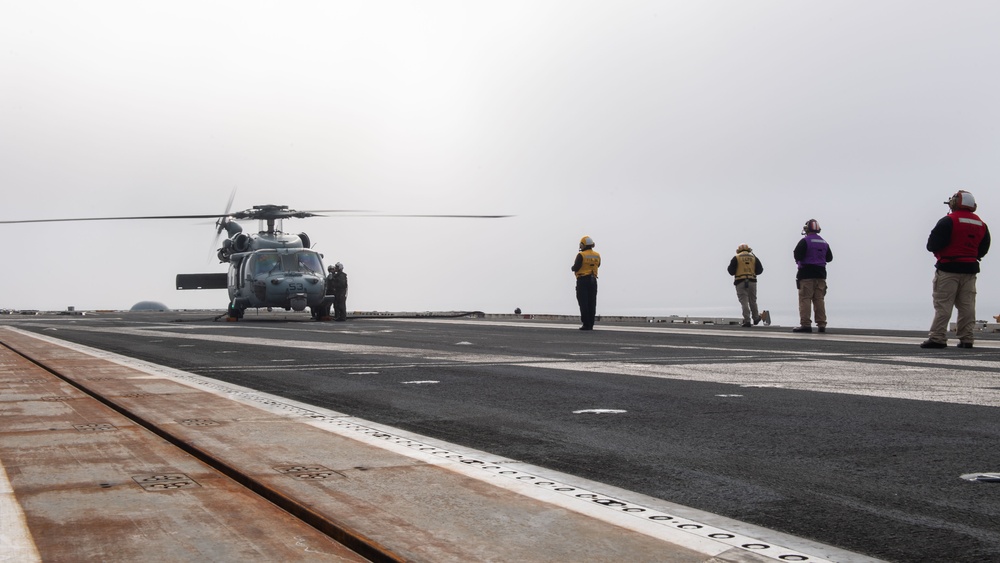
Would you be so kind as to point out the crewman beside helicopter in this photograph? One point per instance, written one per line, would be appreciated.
(336, 285)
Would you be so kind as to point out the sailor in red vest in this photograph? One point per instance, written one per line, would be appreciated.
(585, 267)
(959, 241)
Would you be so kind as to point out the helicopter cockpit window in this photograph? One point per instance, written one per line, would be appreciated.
(266, 263)
(308, 262)
(305, 261)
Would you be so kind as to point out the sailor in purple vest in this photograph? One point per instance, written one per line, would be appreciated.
(811, 255)
(959, 241)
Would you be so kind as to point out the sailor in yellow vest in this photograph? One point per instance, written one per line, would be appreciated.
(745, 267)
(586, 265)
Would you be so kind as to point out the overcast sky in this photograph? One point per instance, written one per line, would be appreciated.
(670, 132)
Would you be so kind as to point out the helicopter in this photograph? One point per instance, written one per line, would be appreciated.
(269, 269)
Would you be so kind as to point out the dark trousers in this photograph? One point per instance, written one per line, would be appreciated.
(586, 296)
(340, 307)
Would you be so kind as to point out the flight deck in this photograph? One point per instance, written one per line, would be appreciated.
(109, 457)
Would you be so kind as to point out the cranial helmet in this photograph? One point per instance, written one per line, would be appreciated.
(338, 266)
(962, 200)
(743, 248)
(811, 226)
(586, 242)
(329, 268)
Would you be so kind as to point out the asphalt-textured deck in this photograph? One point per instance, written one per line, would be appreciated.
(105, 462)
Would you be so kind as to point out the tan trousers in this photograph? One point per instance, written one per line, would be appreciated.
(812, 295)
(953, 291)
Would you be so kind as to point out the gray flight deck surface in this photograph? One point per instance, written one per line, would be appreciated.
(499, 439)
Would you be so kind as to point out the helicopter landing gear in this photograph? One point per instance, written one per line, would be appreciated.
(235, 312)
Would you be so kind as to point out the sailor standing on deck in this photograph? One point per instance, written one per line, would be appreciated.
(745, 267)
(959, 241)
(811, 254)
(586, 265)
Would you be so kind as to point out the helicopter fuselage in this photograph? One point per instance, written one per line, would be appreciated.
(270, 269)
(279, 272)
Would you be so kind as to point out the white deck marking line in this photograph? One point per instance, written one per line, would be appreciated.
(532, 483)
(931, 384)
(939, 361)
(16, 543)
(811, 337)
(799, 371)
(752, 350)
(361, 349)
(307, 367)
(463, 357)
(656, 328)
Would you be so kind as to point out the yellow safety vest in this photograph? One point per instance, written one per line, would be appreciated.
(591, 262)
(746, 266)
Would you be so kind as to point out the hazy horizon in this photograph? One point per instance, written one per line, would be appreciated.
(670, 132)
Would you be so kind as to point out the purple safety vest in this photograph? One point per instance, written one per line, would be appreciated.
(816, 249)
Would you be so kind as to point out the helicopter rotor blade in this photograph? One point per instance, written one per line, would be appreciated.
(229, 204)
(138, 218)
(220, 223)
(435, 216)
(254, 214)
(338, 211)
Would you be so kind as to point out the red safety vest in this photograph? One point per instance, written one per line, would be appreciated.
(967, 231)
